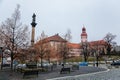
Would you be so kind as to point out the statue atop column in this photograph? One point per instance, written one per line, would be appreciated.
(33, 20)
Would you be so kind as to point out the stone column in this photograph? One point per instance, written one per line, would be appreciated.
(33, 29)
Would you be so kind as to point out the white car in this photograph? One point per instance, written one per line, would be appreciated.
(44, 64)
(21, 66)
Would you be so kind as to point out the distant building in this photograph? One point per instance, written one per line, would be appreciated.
(54, 43)
(55, 40)
(75, 49)
(99, 45)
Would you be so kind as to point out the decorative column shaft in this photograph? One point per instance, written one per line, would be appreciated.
(33, 29)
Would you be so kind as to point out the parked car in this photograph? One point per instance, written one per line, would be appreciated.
(44, 64)
(115, 63)
(20, 66)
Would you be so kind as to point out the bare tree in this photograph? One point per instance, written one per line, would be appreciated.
(68, 35)
(41, 47)
(64, 48)
(85, 51)
(14, 34)
(96, 50)
(109, 39)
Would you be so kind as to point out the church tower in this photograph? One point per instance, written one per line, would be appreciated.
(83, 35)
(33, 29)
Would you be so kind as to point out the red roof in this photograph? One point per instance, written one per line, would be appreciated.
(55, 38)
(74, 45)
(99, 42)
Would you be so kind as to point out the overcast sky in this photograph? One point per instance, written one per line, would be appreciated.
(56, 16)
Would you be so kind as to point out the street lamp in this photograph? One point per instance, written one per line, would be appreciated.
(97, 56)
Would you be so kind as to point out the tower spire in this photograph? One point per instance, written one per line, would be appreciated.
(83, 35)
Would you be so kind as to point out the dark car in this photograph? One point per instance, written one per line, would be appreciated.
(115, 63)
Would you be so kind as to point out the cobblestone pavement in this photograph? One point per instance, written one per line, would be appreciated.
(8, 75)
(81, 74)
(3, 76)
(112, 74)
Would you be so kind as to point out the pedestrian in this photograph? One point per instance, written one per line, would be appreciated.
(15, 63)
(62, 65)
(113, 61)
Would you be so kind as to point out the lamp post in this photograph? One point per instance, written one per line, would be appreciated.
(97, 55)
